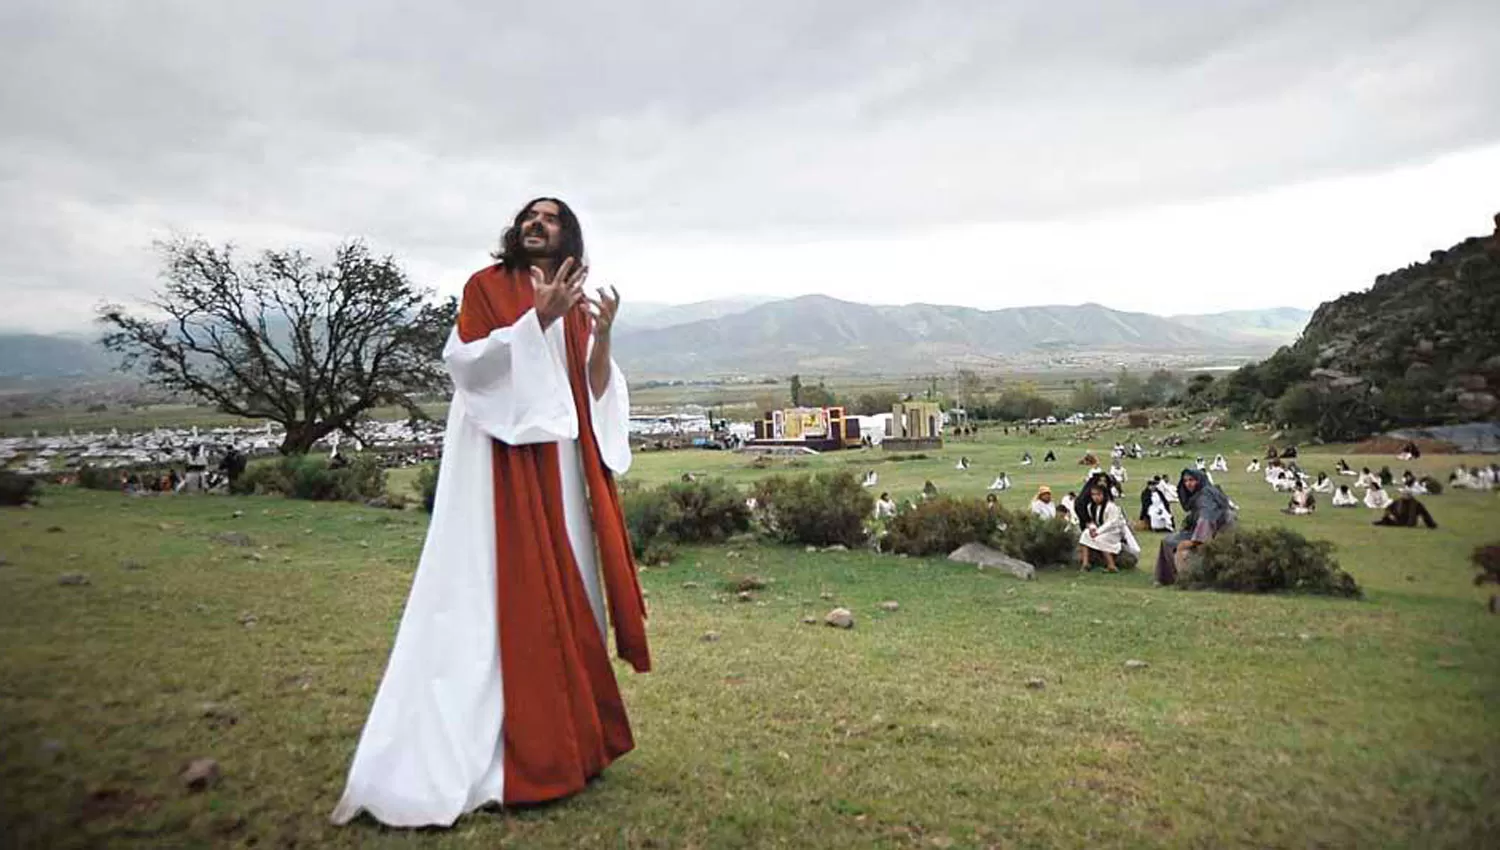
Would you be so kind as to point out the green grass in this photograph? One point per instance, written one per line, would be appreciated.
(1260, 722)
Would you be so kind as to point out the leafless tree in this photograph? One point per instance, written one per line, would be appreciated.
(310, 346)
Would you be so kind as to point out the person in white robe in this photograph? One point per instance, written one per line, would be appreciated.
(1344, 497)
(1324, 484)
(870, 479)
(962, 465)
(1118, 473)
(1167, 490)
(1042, 505)
(1026, 459)
(1254, 465)
(1104, 528)
(1303, 502)
(885, 507)
(1220, 464)
(1367, 478)
(1377, 498)
(1001, 482)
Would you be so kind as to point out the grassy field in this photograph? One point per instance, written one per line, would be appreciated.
(1259, 722)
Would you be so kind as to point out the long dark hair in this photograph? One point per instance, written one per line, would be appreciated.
(513, 255)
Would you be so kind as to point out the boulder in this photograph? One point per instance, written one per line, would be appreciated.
(839, 618)
(200, 774)
(987, 558)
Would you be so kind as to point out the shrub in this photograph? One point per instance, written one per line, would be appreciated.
(97, 478)
(705, 511)
(1039, 542)
(817, 510)
(304, 477)
(938, 526)
(426, 485)
(17, 489)
(681, 512)
(1267, 560)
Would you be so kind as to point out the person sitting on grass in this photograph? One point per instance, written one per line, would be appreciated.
(1324, 485)
(1344, 497)
(1376, 498)
(1253, 466)
(1303, 502)
(1103, 528)
(1042, 505)
(929, 490)
(1208, 513)
(1066, 512)
(1343, 468)
(1051, 457)
(885, 508)
(1405, 512)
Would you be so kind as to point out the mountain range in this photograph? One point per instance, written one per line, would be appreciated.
(816, 333)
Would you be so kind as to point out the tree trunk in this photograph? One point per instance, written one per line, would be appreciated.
(300, 437)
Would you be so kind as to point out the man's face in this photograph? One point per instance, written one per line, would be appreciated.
(1045, 497)
(541, 229)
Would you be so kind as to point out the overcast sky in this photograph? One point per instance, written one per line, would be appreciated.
(1164, 156)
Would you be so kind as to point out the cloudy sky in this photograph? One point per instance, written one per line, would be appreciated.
(1161, 155)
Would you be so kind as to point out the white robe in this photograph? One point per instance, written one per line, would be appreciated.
(1160, 514)
(1119, 474)
(1045, 510)
(1324, 486)
(432, 748)
(1344, 499)
(1377, 499)
(1112, 530)
(1220, 464)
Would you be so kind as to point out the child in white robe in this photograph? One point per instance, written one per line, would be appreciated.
(1344, 497)
(1324, 485)
(1104, 529)
(1254, 465)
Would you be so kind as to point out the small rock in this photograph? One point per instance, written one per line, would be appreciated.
(131, 564)
(751, 583)
(248, 620)
(890, 605)
(233, 538)
(837, 547)
(254, 556)
(1044, 609)
(200, 774)
(364, 544)
(710, 637)
(746, 596)
(237, 514)
(73, 579)
(732, 553)
(1097, 622)
(809, 621)
(840, 618)
(808, 549)
(1304, 636)
(219, 714)
(690, 585)
(825, 595)
(1036, 684)
(164, 526)
(1136, 664)
(54, 529)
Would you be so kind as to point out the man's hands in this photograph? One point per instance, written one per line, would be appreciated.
(555, 297)
(604, 310)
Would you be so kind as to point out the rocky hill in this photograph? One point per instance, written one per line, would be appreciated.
(1421, 346)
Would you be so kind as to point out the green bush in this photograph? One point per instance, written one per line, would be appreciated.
(1268, 560)
(305, 477)
(681, 512)
(426, 485)
(17, 489)
(97, 478)
(938, 526)
(1039, 542)
(817, 510)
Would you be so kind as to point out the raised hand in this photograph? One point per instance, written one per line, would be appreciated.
(604, 310)
(555, 297)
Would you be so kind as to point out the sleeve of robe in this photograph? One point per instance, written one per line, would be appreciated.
(611, 415)
(514, 383)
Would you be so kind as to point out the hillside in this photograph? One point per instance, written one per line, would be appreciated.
(25, 355)
(816, 332)
(648, 315)
(1421, 346)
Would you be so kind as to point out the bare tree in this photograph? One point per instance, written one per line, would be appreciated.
(282, 338)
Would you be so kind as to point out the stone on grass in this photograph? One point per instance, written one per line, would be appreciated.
(54, 529)
(1136, 664)
(1044, 610)
(987, 558)
(248, 620)
(890, 605)
(840, 618)
(837, 547)
(73, 579)
(233, 538)
(1036, 684)
(751, 583)
(690, 585)
(809, 621)
(254, 556)
(219, 714)
(746, 596)
(200, 774)
(811, 549)
(237, 514)
(710, 637)
(131, 564)
(732, 553)
(825, 595)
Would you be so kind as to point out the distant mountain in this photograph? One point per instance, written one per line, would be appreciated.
(1278, 325)
(648, 315)
(24, 355)
(815, 332)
